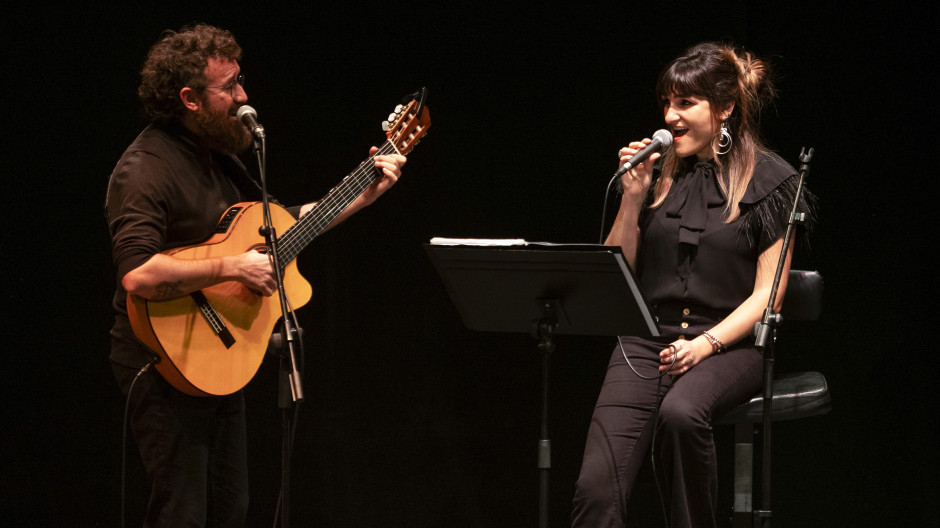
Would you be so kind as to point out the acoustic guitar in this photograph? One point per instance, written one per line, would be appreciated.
(212, 341)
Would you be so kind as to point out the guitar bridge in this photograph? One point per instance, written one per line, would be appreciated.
(212, 317)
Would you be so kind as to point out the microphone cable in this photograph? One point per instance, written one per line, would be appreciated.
(127, 405)
(654, 417)
(604, 209)
(658, 378)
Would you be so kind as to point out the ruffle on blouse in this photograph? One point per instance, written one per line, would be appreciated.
(695, 192)
(773, 171)
(765, 205)
(768, 201)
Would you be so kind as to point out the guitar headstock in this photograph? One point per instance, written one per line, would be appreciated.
(408, 124)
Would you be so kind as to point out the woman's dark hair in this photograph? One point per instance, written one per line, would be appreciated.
(178, 60)
(724, 77)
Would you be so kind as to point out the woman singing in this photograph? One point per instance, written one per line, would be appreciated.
(704, 231)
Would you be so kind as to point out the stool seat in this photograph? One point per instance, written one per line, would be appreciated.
(796, 395)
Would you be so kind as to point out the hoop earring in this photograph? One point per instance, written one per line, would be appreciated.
(724, 140)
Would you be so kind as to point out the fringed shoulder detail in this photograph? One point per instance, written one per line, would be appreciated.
(768, 201)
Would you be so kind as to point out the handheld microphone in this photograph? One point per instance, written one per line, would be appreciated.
(662, 138)
(249, 118)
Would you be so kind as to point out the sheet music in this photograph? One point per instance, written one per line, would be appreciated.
(442, 241)
(512, 242)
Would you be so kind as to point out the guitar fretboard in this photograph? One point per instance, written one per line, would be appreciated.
(338, 199)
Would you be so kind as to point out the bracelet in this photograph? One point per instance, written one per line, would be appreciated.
(716, 343)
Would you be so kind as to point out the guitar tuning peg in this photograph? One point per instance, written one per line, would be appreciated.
(398, 109)
(385, 126)
(392, 116)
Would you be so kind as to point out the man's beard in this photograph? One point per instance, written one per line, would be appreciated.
(220, 132)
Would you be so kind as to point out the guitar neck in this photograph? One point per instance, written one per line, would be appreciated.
(296, 238)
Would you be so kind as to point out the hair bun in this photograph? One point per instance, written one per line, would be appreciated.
(753, 76)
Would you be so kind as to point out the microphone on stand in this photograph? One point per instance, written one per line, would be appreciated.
(249, 118)
(662, 138)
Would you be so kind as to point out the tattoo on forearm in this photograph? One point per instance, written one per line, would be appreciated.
(165, 290)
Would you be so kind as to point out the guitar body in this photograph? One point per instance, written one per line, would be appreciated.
(194, 358)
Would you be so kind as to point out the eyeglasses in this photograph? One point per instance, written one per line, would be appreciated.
(230, 86)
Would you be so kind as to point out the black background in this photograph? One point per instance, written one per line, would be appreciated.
(411, 419)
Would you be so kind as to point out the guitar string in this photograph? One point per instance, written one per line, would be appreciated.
(301, 233)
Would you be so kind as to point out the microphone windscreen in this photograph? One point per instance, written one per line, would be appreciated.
(664, 137)
(244, 110)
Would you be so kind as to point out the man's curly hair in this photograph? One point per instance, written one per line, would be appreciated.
(179, 60)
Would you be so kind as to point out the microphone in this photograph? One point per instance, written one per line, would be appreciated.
(249, 118)
(662, 138)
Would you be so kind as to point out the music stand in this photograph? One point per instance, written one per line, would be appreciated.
(543, 289)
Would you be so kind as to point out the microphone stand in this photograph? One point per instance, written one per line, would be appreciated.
(765, 331)
(290, 346)
(543, 329)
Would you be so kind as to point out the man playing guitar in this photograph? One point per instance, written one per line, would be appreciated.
(169, 190)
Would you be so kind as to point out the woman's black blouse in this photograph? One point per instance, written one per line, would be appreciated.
(690, 257)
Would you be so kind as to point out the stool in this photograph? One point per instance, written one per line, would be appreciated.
(795, 395)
